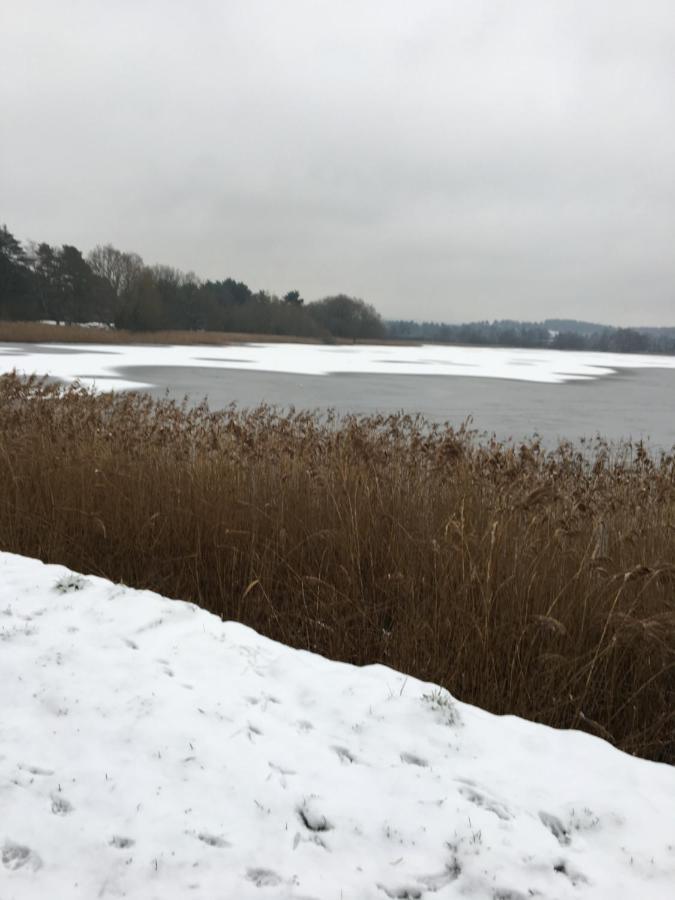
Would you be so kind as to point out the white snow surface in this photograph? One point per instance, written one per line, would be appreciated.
(100, 365)
(150, 750)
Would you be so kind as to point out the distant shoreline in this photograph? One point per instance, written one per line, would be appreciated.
(44, 333)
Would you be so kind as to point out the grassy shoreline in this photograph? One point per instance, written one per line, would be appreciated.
(45, 333)
(42, 333)
(525, 581)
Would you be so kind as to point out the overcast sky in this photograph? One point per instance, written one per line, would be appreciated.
(443, 159)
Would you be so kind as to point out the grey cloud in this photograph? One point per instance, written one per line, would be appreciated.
(445, 160)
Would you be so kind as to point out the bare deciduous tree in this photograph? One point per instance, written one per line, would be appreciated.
(121, 270)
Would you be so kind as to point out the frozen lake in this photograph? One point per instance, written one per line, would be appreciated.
(511, 392)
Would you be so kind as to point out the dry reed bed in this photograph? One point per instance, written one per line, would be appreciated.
(527, 582)
(46, 333)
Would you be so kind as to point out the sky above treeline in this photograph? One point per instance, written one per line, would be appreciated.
(446, 159)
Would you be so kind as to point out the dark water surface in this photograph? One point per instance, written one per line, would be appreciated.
(637, 403)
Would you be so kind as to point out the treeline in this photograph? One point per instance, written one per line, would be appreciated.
(41, 282)
(616, 340)
(509, 333)
(116, 288)
(496, 334)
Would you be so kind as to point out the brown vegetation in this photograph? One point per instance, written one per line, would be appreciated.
(46, 333)
(527, 582)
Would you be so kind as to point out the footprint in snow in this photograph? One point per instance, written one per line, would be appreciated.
(212, 840)
(263, 877)
(263, 701)
(485, 802)
(17, 856)
(281, 773)
(312, 819)
(155, 623)
(35, 770)
(344, 755)
(436, 882)
(413, 760)
(121, 842)
(562, 867)
(61, 806)
(556, 827)
(430, 883)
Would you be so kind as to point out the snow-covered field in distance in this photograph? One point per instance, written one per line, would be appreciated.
(100, 365)
(149, 750)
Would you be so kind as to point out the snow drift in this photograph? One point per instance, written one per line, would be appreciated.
(149, 750)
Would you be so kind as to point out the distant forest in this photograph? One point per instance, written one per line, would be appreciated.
(41, 282)
(556, 334)
(114, 288)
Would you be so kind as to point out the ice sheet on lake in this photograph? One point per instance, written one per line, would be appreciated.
(100, 365)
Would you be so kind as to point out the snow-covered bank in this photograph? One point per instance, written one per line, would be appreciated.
(148, 750)
(103, 365)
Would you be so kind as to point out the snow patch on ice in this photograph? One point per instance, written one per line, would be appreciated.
(99, 366)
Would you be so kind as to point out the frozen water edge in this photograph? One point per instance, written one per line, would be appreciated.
(149, 750)
(99, 365)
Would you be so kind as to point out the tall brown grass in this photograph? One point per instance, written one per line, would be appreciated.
(525, 581)
(46, 333)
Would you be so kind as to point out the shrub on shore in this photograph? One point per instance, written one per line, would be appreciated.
(526, 581)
